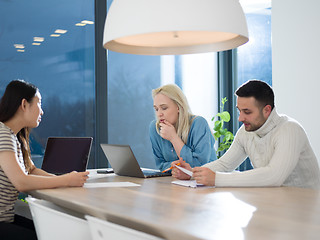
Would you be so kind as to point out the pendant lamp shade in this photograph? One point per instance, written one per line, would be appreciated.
(174, 27)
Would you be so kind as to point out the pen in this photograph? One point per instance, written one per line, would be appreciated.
(170, 168)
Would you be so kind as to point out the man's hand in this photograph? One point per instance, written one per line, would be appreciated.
(204, 176)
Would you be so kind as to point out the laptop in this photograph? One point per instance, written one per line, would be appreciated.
(66, 154)
(124, 163)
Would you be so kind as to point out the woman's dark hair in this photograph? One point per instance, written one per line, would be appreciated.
(15, 92)
(260, 90)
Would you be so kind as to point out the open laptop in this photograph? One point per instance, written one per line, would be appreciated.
(66, 154)
(124, 163)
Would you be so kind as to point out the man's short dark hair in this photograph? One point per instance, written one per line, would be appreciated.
(260, 90)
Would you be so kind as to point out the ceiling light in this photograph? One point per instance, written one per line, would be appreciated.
(87, 22)
(80, 24)
(19, 46)
(36, 43)
(55, 35)
(60, 31)
(20, 50)
(166, 27)
(38, 39)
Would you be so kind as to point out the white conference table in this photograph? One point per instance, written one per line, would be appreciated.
(174, 212)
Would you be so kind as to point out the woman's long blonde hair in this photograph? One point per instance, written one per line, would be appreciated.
(184, 122)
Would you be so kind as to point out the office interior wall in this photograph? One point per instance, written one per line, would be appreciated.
(295, 72)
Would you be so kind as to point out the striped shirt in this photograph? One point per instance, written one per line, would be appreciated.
(8, 193)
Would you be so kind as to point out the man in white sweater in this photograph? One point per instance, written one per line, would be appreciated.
(277, 146)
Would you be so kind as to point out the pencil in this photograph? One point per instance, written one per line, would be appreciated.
(166, 170)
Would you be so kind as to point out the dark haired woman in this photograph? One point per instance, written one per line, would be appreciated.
(20, 110)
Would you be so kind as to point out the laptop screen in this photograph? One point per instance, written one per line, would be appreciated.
(66, 154)
(124, 163)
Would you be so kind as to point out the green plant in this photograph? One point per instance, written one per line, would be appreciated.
(22, 197)
(221, 134)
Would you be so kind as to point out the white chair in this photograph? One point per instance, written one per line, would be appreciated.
(53, 222)
(104, 230)
(22, 209)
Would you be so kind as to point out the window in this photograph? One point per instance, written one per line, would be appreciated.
(254, 58)
(51, 44)
(130, 106)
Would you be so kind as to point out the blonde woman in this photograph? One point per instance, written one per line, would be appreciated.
(176, 133)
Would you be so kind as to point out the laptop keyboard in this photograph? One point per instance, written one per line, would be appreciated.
(151, 173)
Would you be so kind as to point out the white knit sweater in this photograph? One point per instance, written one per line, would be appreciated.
(280, 153)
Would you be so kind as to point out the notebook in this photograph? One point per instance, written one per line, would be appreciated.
(124, 163)
(66, 154)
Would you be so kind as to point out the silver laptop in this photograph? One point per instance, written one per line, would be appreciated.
(66, 154)
(124, 163)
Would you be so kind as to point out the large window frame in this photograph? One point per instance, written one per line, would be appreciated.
(101, 84)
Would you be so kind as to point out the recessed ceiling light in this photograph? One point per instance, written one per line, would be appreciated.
(55, 35)
(60, 31)
(80, 24)
(36, 43)
(38, 39)
(18, 45)
(87, 22)
(20, 50)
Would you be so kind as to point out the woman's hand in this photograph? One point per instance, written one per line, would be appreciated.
(177, 173)
(167, 130)
(76, 179)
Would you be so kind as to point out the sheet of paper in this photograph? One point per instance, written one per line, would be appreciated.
(110, 184)
(185, 170)
(97, 176)
(186, 183)
(190, 183)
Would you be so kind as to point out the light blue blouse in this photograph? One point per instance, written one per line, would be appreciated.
(198, 150)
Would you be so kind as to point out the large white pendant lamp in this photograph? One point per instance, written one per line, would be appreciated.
(174, 27)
